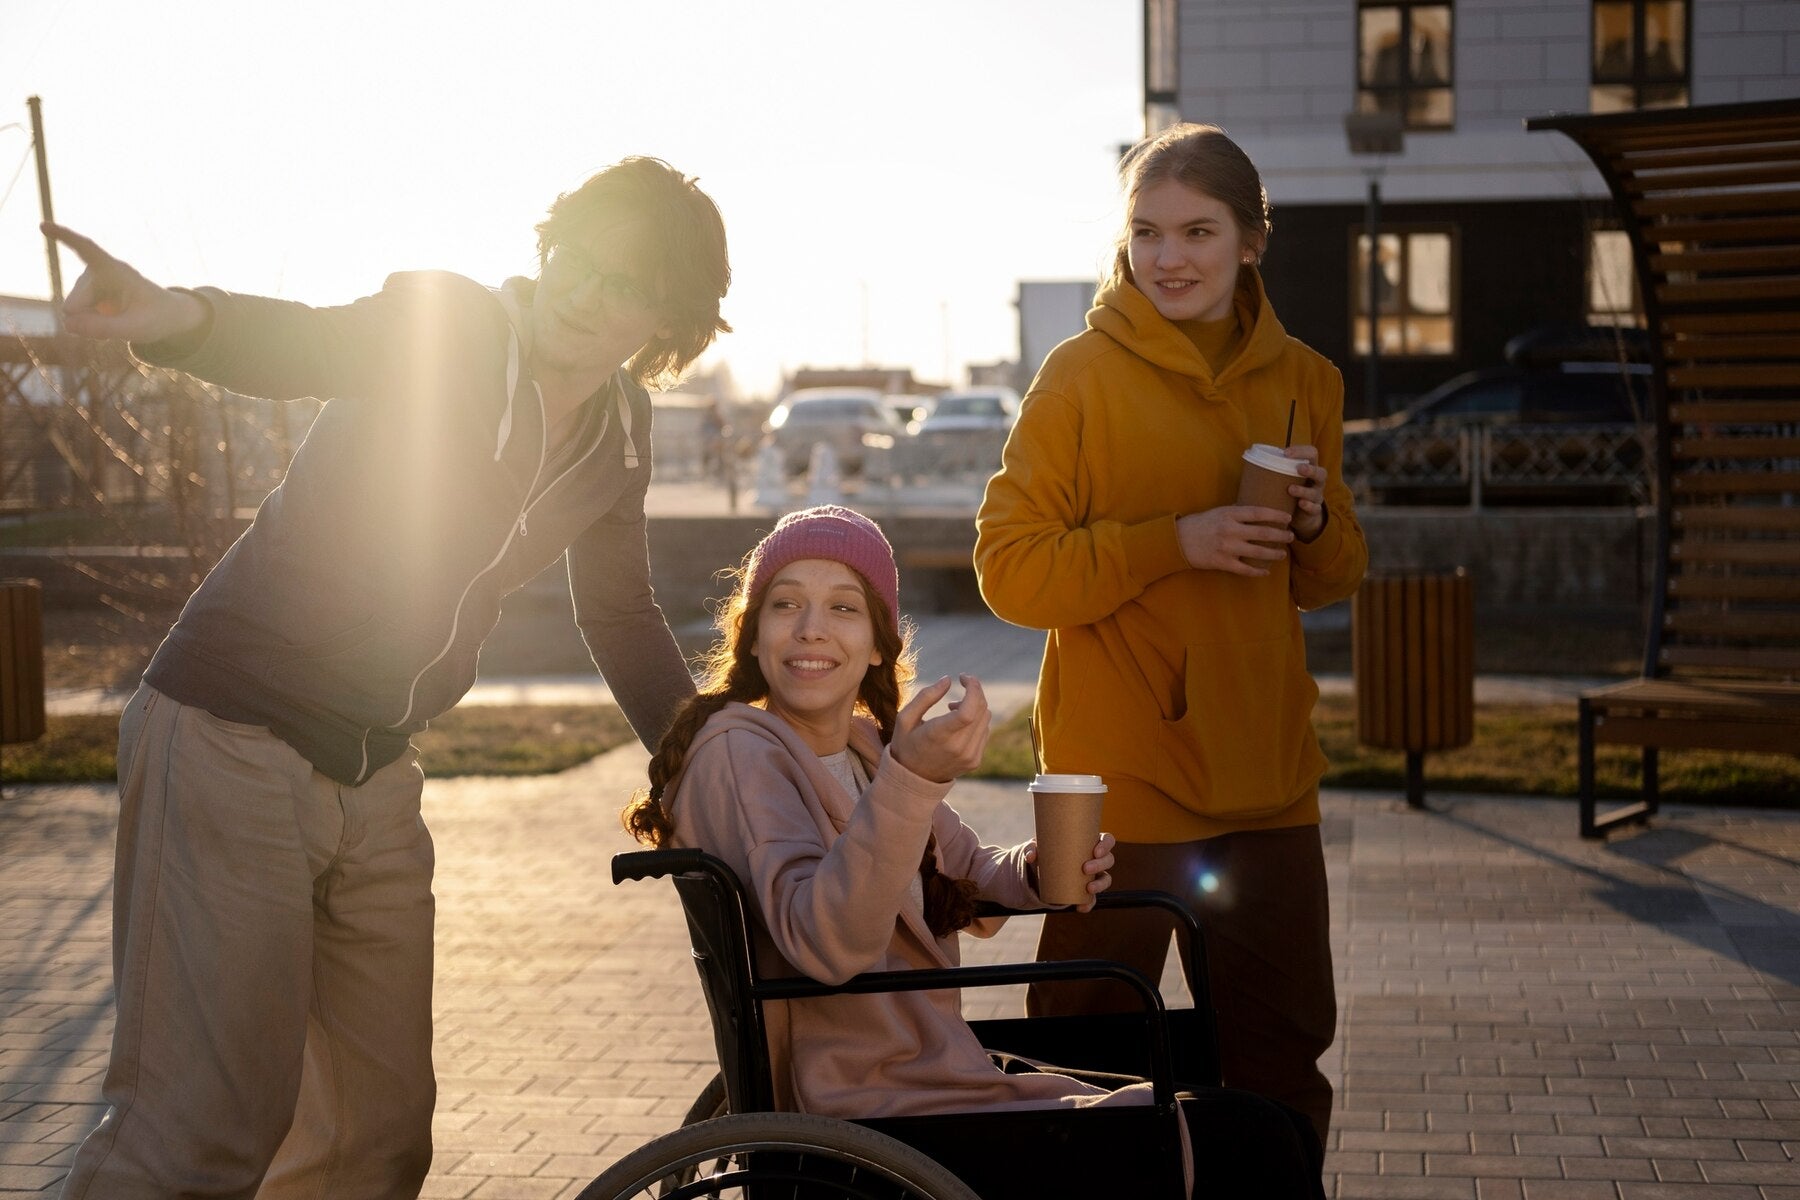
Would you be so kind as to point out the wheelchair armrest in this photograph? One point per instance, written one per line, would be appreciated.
(1003, 975)
(1187, 925)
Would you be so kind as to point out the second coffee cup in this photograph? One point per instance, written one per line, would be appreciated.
(1068, 827)
(1268, 473)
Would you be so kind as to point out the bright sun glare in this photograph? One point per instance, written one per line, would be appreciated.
(887, 176)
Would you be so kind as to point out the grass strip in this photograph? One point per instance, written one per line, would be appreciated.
(477, 740)
(1518, 750)
(1522, 750)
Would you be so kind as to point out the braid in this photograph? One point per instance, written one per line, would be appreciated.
(949, 903)
(729, 672)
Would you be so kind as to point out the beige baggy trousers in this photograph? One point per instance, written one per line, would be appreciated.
(272, 943)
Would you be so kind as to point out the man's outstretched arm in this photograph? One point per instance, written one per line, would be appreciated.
(112, 300)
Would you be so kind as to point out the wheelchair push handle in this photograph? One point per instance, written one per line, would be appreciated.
(655, 864)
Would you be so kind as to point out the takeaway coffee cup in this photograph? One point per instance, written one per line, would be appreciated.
(1268, 473)
(1068, 826)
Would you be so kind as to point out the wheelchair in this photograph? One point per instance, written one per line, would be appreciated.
(733, 1143)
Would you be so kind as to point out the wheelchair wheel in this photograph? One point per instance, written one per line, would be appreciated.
(793, 1155)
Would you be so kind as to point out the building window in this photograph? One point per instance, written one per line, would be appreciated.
(1405, 62)
(1162, 65)
(1640, 55)
(1415, 290)
(1612, 283)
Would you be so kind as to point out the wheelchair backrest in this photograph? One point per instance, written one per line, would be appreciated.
(720, 934)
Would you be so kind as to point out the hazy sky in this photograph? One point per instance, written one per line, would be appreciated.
(888, 172)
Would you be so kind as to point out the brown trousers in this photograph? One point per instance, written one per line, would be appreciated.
(272, 966)
(1261, 900)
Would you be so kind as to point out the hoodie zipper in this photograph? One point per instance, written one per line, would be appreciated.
(533, 497)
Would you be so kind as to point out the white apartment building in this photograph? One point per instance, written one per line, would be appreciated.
(1484, 230)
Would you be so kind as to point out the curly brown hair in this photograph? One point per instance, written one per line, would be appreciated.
(729, 672)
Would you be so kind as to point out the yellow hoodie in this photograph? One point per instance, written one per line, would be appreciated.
(1186, 689)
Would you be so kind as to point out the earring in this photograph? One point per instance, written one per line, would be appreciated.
(1249, 259)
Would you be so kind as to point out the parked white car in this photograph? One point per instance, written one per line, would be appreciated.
(994, 408)
(965, 432)
(853, 421)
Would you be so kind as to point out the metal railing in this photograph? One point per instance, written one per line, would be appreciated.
(1520, 463)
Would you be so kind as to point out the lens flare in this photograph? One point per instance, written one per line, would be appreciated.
(1209, 882)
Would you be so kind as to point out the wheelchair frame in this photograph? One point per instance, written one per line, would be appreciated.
(1047, 1150)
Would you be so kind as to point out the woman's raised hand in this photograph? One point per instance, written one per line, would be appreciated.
(943, 747)
(111, 300)
(1229, 538)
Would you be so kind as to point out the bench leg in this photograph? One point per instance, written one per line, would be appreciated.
(1584, 752)
(1592, 824)
(1415, 779)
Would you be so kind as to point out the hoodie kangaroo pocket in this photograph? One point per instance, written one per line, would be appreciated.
(1243, 744)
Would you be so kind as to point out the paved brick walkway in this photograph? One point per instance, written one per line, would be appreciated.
(1524, 1015)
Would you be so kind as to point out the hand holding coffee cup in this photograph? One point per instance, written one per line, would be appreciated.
(1268, 475)
(1073, 857)
(1309, 499)
(1239, 539)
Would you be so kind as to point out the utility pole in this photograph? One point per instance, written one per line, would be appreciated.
(43, 173)
(1381, 134)
(96, 465)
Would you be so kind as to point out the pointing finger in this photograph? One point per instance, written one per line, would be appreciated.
(85, 248)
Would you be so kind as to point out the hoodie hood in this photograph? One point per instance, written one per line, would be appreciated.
(1127, 316)
(735, 717)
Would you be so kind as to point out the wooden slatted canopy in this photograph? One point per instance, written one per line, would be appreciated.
(1710, 198)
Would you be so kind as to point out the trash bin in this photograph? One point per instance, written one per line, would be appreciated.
(1412, 640)
(21, 661)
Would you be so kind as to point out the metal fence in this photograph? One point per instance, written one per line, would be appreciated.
(1505, 463)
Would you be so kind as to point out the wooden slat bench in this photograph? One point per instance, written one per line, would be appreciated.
(1711, 200)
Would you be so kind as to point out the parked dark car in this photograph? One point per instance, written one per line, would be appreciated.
(1561, 423)
(1574, 394)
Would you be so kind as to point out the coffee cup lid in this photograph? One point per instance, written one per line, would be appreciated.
(1270, 458)
(1068, 783)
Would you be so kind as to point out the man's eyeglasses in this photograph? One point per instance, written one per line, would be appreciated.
(620, 291)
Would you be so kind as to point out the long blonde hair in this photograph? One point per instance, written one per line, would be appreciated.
(1201, 157)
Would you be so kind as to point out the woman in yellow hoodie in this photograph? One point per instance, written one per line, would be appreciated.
(1175, 664)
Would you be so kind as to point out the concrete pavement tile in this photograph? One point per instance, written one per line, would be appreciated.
(1389, 1187)
(1567, 1189)
(1750, 1172)
(1518, 1166)
(500, 1164)
(27, 1179)
(507, 1188)
(1677, 1170)
(1615, 1169)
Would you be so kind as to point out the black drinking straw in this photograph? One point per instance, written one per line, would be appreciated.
(1289, 439)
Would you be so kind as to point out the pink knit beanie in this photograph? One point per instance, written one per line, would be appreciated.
(834, 533)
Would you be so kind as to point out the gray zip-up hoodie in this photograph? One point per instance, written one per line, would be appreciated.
(354, 607)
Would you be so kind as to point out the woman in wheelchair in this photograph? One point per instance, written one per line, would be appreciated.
(798, 765)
